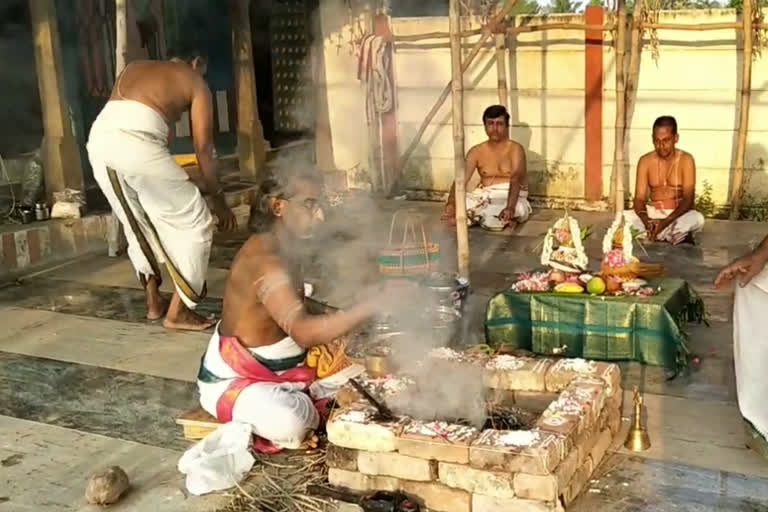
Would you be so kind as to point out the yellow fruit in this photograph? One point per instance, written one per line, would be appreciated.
(569, 288)
(596, 286)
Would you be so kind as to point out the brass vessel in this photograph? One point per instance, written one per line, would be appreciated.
(637, 439)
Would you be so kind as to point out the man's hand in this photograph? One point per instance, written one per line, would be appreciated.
(747, 266)
(653, 229)
(223, 212)
(507, 216)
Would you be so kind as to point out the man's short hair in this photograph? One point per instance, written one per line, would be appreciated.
(667, 121)
(495, 111)
(277, 185)
(186, 53)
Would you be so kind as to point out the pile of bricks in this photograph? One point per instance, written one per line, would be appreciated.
(456, 468)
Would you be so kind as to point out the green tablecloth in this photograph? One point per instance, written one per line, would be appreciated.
(647, 329)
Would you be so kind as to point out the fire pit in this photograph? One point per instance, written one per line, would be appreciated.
(547, 425)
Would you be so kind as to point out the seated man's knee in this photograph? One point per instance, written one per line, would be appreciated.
(278, 415)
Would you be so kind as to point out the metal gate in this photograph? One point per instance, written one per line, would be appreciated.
(291, 67)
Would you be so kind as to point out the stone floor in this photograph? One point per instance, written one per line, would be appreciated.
(86, 382)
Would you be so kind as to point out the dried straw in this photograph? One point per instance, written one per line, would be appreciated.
(278, 483)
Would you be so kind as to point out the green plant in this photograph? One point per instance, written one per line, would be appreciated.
(704, 203)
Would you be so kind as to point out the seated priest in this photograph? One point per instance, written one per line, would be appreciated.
(665, 189)
(269, 363)
(501, 199)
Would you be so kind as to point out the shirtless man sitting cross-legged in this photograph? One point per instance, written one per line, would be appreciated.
(501, 200)
(668, 175)
(256, 369)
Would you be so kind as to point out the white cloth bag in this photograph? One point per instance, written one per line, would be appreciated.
(218, 461)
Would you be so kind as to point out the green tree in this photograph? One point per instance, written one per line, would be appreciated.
(737, 4)
(526, 8)
(564, 6)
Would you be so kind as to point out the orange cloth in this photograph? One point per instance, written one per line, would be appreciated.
(328, 359)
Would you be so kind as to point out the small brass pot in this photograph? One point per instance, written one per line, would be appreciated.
(378, 366)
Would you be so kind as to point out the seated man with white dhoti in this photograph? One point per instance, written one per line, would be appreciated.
(269, 361)
(750, 339)
(668, 176)
(165, 218)
(501, 200)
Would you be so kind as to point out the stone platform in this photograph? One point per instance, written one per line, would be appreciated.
(454, 467)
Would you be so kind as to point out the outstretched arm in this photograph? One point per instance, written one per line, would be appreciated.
(201, 113)
(275, 291)
(747, 266)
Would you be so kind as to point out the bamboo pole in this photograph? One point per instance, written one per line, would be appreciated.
(746, 89)
(695, 27)
(457, 94)
(498, 18)
(633, 76)
(501, 68)
(618, 149)
(115, 234)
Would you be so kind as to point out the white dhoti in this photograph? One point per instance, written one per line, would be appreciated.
(167, 221)
(750, 351)
(690, 222)
(282, 413)
(485, 204)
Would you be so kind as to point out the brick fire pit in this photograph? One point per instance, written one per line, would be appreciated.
(453, 467)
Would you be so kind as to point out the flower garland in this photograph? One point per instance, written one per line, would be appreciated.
(626, 244)
(570, 259)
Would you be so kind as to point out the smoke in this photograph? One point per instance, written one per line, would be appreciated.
(342, 263)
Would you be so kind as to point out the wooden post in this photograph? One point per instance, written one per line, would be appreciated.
(61, 154)
(498, 18)
(746, 89)
(250, 133)
(618, 150)
(633, 74)
(457, 93)
(114, 229)
(501, 68)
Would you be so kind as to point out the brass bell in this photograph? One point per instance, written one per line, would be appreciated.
(637, 438)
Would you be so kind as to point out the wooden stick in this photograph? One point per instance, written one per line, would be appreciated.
(501, 68)
(457, 89)
(435, 35)
(447, 89)
(618, 150)
(633, 76)
(696, 27)
(746, 88)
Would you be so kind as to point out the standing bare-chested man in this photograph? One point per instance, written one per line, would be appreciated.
(165, 218)
(502, 197)
(668, 176)
(256, 369)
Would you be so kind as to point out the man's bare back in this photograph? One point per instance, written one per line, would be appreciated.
(168, 87)
(256, 268)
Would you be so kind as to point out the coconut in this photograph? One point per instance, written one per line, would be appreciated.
(106, 487)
